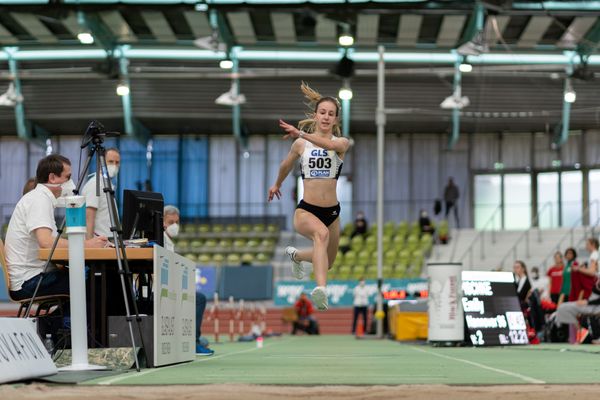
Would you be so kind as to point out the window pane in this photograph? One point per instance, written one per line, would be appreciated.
(487, 201)
(571, 198)
(517, 201)
(547, 199)
(594, 196)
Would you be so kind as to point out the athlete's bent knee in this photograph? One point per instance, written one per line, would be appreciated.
(322, 236)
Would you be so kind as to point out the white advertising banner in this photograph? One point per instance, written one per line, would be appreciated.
(22, 354)
(174, 308)
(446, 319)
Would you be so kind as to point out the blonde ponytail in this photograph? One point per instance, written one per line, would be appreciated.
(314, 98)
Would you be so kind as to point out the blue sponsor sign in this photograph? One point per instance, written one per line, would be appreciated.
(206, 280)
(164, 272)
(340, 292)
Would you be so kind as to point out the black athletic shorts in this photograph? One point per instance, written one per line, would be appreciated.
(326, 215)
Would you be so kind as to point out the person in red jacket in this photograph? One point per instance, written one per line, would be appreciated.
(306, 321)
(555, 274)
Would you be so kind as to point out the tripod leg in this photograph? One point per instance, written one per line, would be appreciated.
(124, 271)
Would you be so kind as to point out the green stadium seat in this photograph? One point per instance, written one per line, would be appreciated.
(191, 256)
(357, 242)
(239, 243)
(350, 257)
(344, 272)
(245, 228)
(262, 258)
(204, 228)
(233, 259)
(218, 258)
(231, 228)
(247, 258)
(258, 228)
(204, 259)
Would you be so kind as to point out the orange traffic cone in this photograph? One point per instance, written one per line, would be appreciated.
(360, 329)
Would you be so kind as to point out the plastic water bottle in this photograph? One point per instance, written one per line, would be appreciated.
(259, 342)
(48, 344)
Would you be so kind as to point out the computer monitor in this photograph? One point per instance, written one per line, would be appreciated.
(143, 215)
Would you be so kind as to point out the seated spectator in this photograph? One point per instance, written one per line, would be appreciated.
(583, 277)
(555, 275)
(522, 282)
(360, 224)
(425, 223)
(306, 321)
(539, 283)
(570, 311)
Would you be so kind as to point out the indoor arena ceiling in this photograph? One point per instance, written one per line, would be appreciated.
(168, 52)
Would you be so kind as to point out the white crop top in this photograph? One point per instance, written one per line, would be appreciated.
(318, 163)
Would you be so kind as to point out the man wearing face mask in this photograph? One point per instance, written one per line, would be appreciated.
(96, 214)
(171, 225)
(32, 226)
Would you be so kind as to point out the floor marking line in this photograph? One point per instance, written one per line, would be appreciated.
(208, 358)
(483, 366)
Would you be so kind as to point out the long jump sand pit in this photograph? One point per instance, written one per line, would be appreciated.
(257, 392)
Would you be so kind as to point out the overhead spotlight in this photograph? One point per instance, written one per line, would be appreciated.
(345, 93)
(455, 101)
(230, 98)
(475, 46)
(226, 64)
(122, 89)
(201, 7)
(570, 95)
(346, 39)
(10, 97)
(344, 68)
(465, 67)
(85, 37)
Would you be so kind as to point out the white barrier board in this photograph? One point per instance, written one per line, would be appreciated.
(22, 353)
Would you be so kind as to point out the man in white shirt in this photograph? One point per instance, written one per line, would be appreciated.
(96, 214)
(171, 225)
(32, 226)
(361, 304)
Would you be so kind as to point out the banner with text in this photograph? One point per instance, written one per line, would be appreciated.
(22, 354)
(340, 293)
(174, 308)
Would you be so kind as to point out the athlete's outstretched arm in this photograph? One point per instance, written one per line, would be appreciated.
(284, 169)
(340, 145)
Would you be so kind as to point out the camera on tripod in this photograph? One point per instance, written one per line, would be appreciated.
(96, 132)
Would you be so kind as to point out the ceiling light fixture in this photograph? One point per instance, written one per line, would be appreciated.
(226, 64)
(85, 37)
(122, 89)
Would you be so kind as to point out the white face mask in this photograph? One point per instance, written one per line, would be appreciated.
(172, 230)
(113, 170)
(66, 188)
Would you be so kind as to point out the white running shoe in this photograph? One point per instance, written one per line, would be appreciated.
(319, 297)
(297, 267)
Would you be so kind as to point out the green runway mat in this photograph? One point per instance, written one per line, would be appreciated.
(343, 360)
